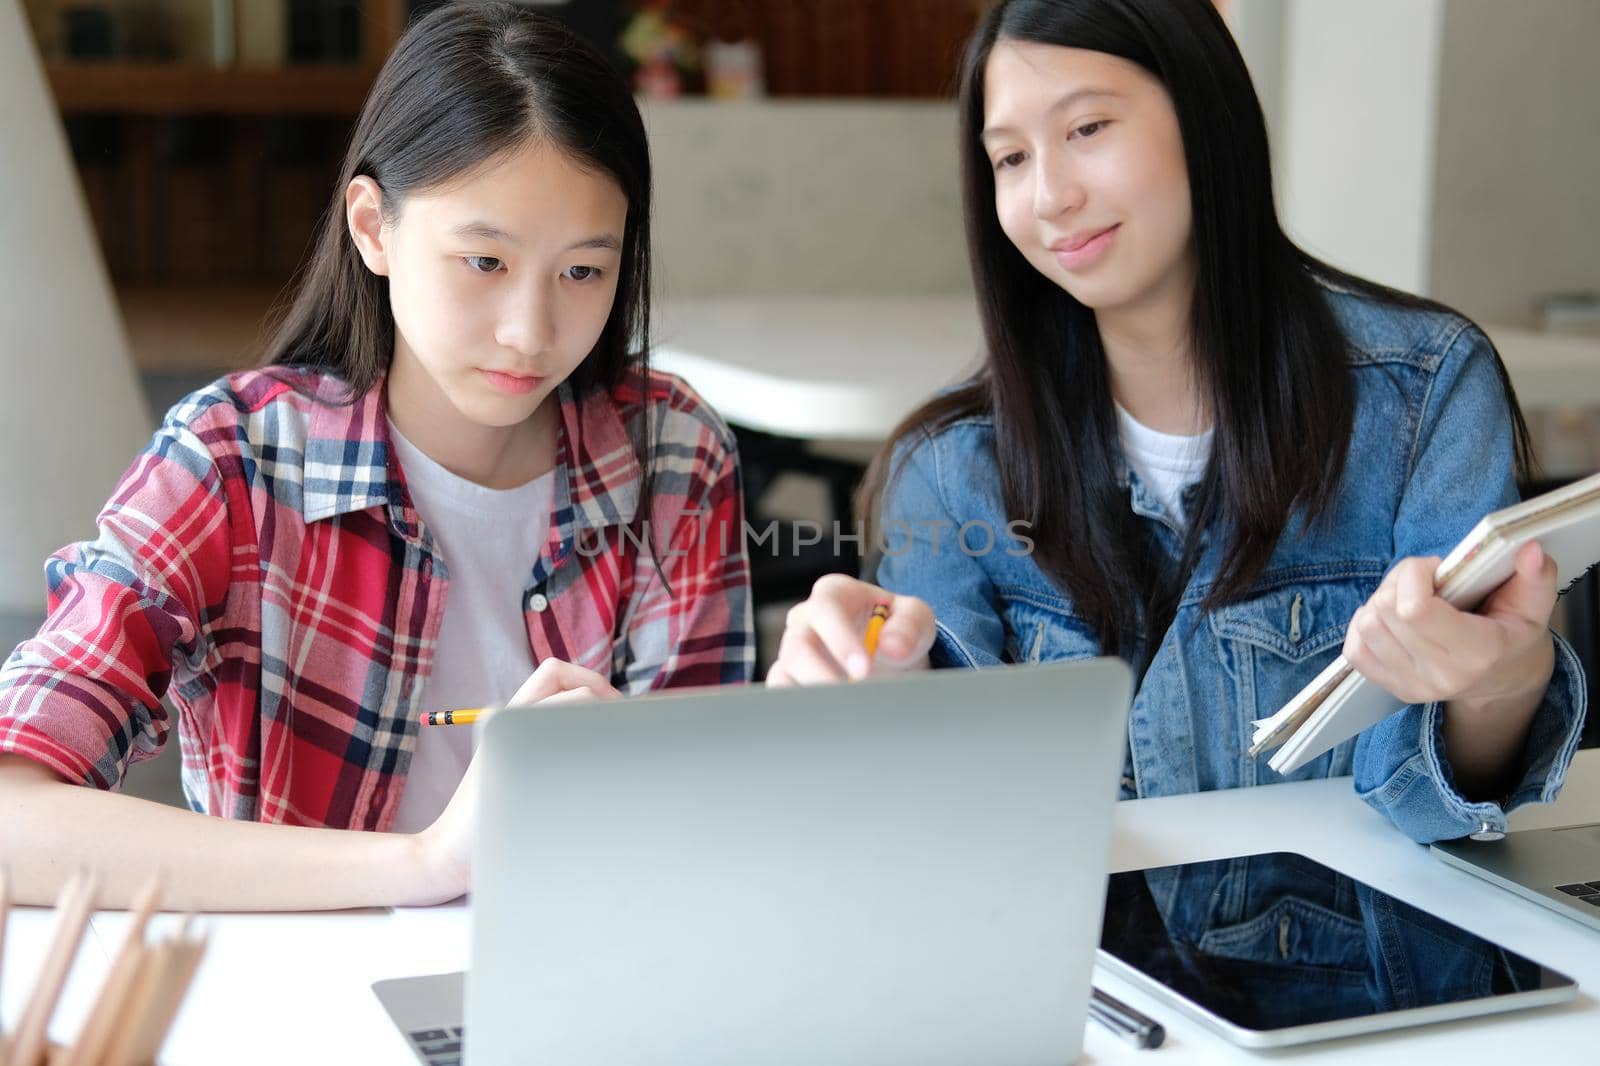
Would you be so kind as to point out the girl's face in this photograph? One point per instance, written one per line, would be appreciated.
(500, 282)
(1089, 174)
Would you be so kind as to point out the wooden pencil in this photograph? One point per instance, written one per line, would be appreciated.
(5, 914)
(880, 615)
(183, 954)
(101, 1025)
(74, 906)
(154, 962)
(466, 716)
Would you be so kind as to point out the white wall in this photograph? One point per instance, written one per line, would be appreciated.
(1516, 207)
(1355, 138)
(824, 198)
(1450, 147)
(1259, 27)
(71, 414)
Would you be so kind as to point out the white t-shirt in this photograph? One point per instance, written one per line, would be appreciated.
(1166, 464)
(488, 540)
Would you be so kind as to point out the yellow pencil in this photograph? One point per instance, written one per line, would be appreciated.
(880, 615)
(463, 717)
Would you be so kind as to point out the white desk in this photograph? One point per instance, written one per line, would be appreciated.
(1550, 370)
(296, 988)
(835, 369)
(819, 369)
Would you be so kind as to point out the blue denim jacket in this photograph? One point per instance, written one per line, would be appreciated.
(1430, 454)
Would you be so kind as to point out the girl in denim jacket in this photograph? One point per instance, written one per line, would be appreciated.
(1194, 446)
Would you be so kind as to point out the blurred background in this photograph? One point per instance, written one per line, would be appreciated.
(804, 150)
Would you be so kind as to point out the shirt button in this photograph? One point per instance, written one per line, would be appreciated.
(538, 602)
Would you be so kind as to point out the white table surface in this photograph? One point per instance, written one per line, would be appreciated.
(818, 369)
(297, 988)
(851, 369)
(1550, 370)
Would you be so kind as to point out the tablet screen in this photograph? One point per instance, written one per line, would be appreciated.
(1277, 941)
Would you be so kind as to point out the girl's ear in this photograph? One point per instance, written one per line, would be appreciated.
(363, 213)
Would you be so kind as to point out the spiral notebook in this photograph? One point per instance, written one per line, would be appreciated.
(1339, 703)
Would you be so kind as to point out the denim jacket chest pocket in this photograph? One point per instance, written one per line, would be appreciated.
(1293, 932)
(1271, 645)
(1041, 628)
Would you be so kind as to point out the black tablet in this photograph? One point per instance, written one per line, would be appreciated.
(1278, 949)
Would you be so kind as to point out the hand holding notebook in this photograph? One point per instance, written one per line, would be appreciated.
(1339, 703)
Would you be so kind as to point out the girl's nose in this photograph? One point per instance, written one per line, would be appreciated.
(1056, 187)
(527, 321)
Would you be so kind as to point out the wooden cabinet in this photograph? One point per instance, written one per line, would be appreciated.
(82, 88)
(875, 48)
(199, 174)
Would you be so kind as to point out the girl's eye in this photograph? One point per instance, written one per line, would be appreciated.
(1089, 129)
(1014, 159)
(582, 273)
(483, 264)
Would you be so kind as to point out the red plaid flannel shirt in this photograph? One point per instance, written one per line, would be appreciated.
(262, 564)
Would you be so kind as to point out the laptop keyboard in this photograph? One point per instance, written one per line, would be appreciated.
(438, 1047)
(1583, 892)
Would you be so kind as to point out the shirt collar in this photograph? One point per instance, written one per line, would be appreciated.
(598, 481)
(346, 461)
(348, 464)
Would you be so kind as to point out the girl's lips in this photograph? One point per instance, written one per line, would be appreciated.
(514, 384)
(1076, 257)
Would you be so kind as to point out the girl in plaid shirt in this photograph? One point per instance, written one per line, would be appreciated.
(459, 399)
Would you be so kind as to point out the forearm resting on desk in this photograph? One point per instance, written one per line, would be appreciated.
(50, 829)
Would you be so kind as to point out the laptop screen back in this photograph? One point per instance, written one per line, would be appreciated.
(899, 871)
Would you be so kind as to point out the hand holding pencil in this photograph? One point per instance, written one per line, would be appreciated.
(446, 845)
(553, 681)
(850, 629)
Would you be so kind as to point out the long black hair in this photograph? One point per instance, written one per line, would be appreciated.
(464, 84)
(1268, 350)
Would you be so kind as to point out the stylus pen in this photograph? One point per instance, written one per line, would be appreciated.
(1131, 1026)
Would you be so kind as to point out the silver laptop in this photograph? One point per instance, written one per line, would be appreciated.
(1559, 868)
(908, 871)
